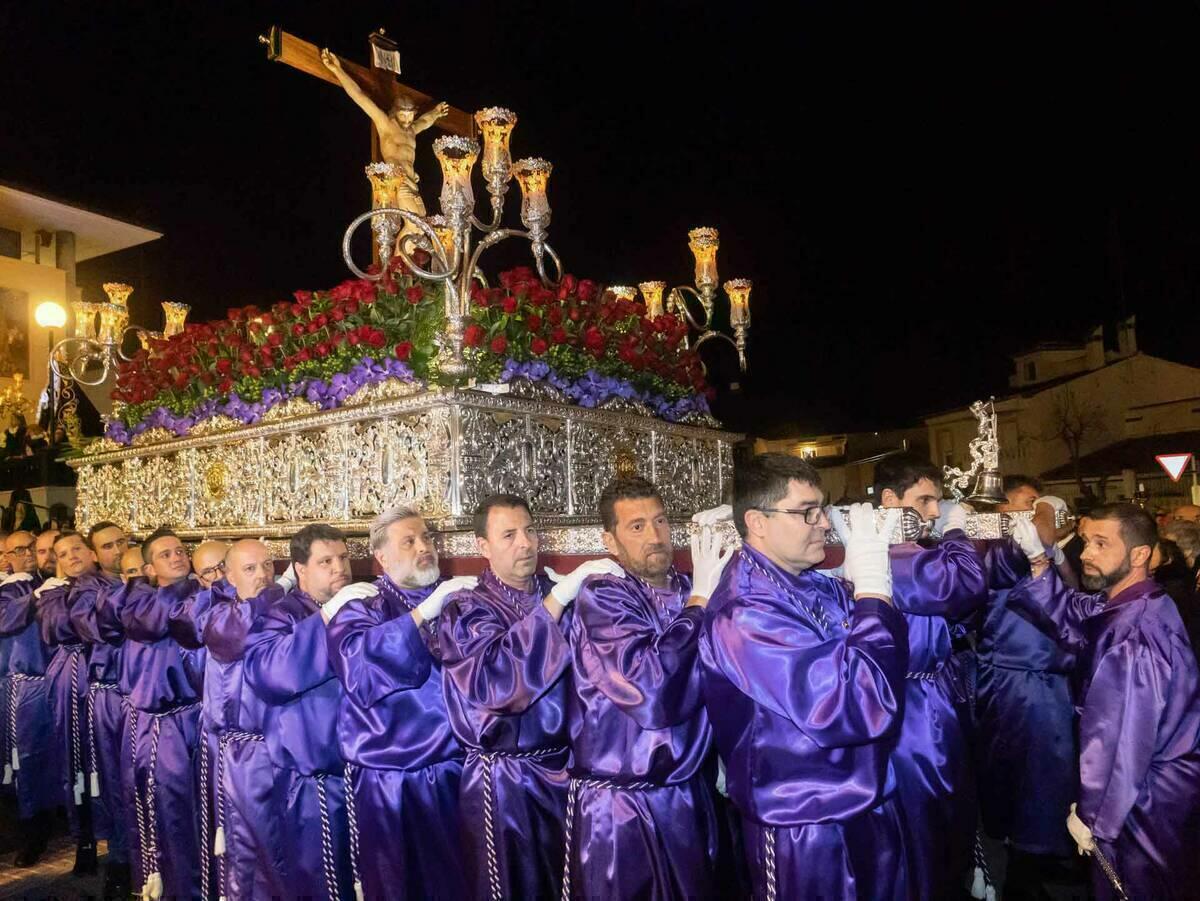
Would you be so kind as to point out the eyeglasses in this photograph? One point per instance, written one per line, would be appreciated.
(212, 570)
(21, 551)
(811, 515)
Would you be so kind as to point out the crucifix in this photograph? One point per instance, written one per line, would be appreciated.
(377, 83)
(392, 108)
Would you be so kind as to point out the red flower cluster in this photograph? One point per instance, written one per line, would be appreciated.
(582, 324)
(315, 333)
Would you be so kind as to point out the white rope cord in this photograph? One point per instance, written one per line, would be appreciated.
(327, 842)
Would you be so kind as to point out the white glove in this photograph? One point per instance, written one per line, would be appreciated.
(354, 592)
(708, 561)
(1080, 832)
(17, 577)
(713, 515)
(867, 565)
(1025, 534)
(432, 605)
(288, 580)
(566, 588)
(54, 582)
(955, 518)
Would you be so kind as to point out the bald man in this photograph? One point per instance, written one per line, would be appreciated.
(67, 687)
(240, 775)
(28, 736)
(132, 565)
(209, 562)
(1186, 513)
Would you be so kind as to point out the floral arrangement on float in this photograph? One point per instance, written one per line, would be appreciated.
(578, 342)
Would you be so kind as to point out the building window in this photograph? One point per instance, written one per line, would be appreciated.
(946, 446)
(1031, 372)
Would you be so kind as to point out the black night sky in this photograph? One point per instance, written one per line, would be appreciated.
(916, 191)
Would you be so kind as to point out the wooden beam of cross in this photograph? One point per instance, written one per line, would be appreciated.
(379, 84)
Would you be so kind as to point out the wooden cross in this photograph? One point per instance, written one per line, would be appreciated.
(379, 84)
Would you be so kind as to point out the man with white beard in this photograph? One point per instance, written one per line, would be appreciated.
(403, 763)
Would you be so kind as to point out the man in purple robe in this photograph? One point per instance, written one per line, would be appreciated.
(504, 658)
(67, 688)
(162, 687)
(640, 810)
(804, 682)
(287, 664)
(245, 832)
(936, 585)
(403, 763)
(1025, 749)
(104, 727)
(1138, 699)
(29, 727)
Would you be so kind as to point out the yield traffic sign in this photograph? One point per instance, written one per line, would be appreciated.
(1174, 464)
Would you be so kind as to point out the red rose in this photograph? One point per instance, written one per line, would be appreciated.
(554, 315)
(236, 314)
(473, 336)
(558, 336)
(304, 356)
(322, 349)
(297, 310)
(414, 295)
(181, 380)
(298, 330)
(573, 314)
(569, 282)
(275, 339)
(224, 365)
(509, 305)
(225, 386)
(403, 349)
(587, 290)
(499, 344)
(352, 339)
(377, 339)
(538, 346)
(321, 321)
(593, 338)
(313, 327)
(351, 307)
(267, 319)
(303, 298)
(266, 356)
(254, 372)
(533, 321)
(337, 314)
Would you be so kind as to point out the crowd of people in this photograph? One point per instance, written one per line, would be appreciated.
(761, 726)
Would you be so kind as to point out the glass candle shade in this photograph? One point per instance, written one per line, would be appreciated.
(652, 295)
(496, 125)
(738, 290)
(113, 319)
(704, 243)
(533, 175)
(118, 292)
(457, 156)
(174, 317)
(85, 318)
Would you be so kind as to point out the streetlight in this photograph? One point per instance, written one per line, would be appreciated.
(50, 315)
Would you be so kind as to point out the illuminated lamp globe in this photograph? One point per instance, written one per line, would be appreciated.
(50, 314)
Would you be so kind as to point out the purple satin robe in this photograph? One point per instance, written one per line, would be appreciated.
(29, 729)
(287, 665)
(504, 659)
(1025, 752)
(805, 690)
(644, 823)
(1139, 730)
(404, 764)
(935, 586)
(162, 740)
(105, 721)
(238, 771)
(67, 688)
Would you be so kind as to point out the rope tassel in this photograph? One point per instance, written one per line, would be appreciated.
(219, 842)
